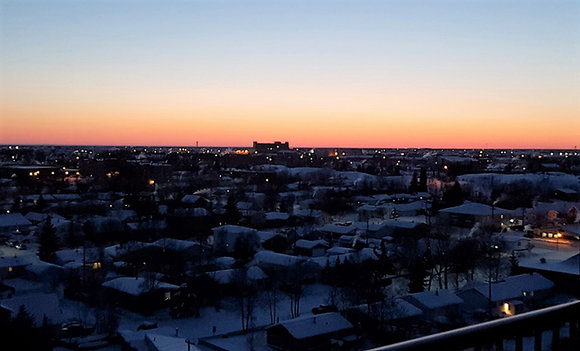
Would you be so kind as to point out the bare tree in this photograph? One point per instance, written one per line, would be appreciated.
(246, 298)
(294, 289)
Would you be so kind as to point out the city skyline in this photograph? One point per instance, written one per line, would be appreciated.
(442, 74)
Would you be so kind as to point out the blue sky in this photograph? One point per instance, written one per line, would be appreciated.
(389, 57)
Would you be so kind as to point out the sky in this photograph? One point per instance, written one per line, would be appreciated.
(441, 74)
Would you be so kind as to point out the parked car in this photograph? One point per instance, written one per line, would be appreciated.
(324, 309)
(147, 325)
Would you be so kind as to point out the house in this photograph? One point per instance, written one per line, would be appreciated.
(14, 223)
(140, 294)
(516, 242)
(401, 229)
(13, 266)
(192, 200)
(394, 312)
(507, 297)
(103, 228)
(565, 272)
(469, 213)
(572, 231)
(273, 241)
(39, 306)
(225, 237)
(436, 304)
(185, 248)
(270, 260)
(411, 209)
(312, 248)
(311, 332)
(232, 276)
(335, 231)
(276, 219)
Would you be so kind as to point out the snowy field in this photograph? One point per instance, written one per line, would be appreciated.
(226, 320)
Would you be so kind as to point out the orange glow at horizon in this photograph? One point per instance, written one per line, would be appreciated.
(438, 122)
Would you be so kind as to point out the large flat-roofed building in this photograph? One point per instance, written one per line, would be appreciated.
(271, 147)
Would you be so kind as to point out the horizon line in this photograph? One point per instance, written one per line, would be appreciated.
(292, 147)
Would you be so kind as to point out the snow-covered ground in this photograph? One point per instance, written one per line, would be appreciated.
(226, 320)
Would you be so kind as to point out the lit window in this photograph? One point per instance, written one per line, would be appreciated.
(506, 308)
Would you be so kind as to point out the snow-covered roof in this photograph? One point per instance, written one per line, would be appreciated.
(404, 309)
(136, 286)
(39, 217)
(158, 224)
(436, 299)
(514, 286)
(277, 216)
(353, 257)
(277, 259)
(168, 343)
(13, 220)
(228, 276)
(233, 229)
(64, 197)
(191, 199)
(310, 244)
(307, 213)
(40, 267)
(337, 250)
(412, 206)
(14, 261)
(572, 229)
(244, 205)
(225, 261)
(75, 255)
(338, 229)
(397, 309)
(122, 215)
(567, 266)
(192, 212)
(38, 305)
(476, 209)
(118, 250)
(401, 224)
(310, 326)
(175, 244)
(23, 286)
(265, 235)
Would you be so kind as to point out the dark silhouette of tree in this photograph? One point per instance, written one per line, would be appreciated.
(294, 289)
(41, 203)
(23, 319)
(514, 264)
(246, 298)
(417, 273)
(16, 205)
(423, 180)
(232, 213)
(414, 185)
(463, 258)
(48, 241)
(453, 196)
(243, 250)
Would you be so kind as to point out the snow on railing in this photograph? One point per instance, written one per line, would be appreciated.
(500, 328)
